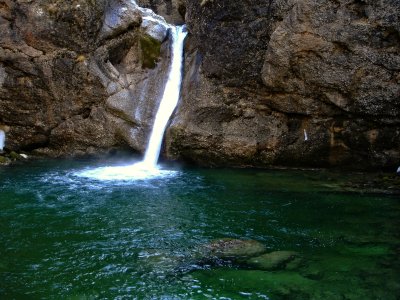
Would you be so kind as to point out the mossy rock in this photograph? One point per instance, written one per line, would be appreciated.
(228, 248)
(15, 156)
(276, 260)
(4, 160)
(150, 51)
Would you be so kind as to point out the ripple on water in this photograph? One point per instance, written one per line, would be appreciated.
(70, 236)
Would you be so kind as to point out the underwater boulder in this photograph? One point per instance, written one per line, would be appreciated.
(276, 260)
(228, 248)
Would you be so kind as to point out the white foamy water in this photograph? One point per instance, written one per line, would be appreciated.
(132, 172)
(2, 139)
(148, 169)
(169, 100)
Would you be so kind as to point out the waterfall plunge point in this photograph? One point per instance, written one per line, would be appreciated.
(147, 168)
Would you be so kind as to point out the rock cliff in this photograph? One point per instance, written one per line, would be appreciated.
(80, 77)
(267, 82)
(299, 83)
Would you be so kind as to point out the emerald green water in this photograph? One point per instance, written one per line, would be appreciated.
(69, 237)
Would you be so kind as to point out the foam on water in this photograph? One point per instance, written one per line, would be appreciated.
(2, 139)
(131, 172)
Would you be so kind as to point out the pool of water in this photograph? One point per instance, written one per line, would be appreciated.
(64, 235)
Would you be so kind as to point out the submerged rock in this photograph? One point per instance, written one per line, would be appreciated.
(232, 249)
(275, 260)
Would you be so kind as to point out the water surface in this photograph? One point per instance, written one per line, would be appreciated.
(63, 236)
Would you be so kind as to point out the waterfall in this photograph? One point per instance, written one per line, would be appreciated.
(147, 168)
(2, 139)
(169, 99)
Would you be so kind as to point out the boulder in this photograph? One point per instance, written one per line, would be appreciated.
(275, 260)
(4, 160)
(154, 25)
(228, 248)
(120, 17)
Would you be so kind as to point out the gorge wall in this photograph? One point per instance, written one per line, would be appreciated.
(80, 77)
(273, 82)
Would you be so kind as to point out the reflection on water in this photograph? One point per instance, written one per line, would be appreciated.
(67, 235)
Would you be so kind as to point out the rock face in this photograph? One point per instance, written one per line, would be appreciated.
(277, 82)
(80, 77)
(299, 83)
(172, 10)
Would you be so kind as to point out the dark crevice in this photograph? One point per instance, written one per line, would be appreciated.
(119, 52)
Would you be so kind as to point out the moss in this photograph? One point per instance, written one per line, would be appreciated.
(80, 58)
(150, 50)
(15, 156)
(4, 160)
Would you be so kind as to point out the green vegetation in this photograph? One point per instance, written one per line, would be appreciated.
(150, 51)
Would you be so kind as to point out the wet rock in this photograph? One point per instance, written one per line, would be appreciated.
(4, 160)
(172, 10)
(15, 156)
(150, 49)
(233, 248)
(387, 183)
(154, 25)
(276, 260)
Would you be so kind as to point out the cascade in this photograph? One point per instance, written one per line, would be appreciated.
(169, 100)
(2, 139)
(147, 168)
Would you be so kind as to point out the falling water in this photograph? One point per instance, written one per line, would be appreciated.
(169, 100)
(147, 168)
(2, 139)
